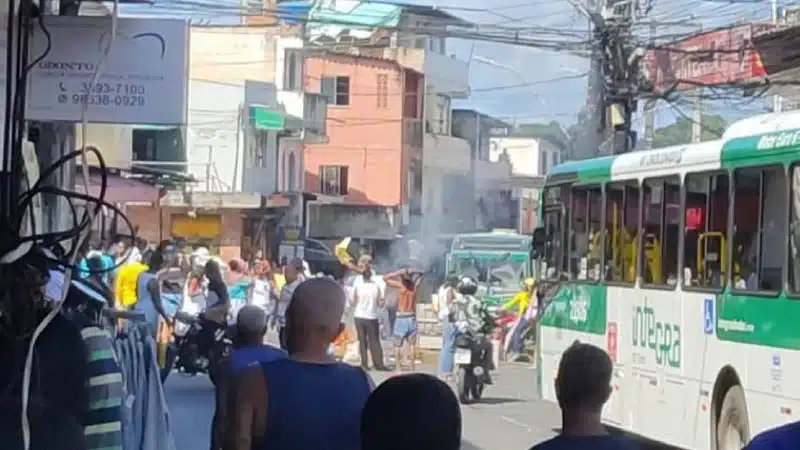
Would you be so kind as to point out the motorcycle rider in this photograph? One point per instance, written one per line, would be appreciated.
(470, 317)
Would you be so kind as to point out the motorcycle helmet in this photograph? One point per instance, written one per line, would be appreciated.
(467, 286)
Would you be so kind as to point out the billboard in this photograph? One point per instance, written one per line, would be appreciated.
(717, 57)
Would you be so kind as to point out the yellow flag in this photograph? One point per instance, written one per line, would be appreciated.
(341, 252)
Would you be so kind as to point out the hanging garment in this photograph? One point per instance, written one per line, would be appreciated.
(145, 417)
(104, 425)
(157, 429)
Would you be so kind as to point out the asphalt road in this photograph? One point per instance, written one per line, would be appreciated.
(507, 418)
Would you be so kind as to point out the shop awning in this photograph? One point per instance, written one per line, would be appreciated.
(120, 189)
(265, 118)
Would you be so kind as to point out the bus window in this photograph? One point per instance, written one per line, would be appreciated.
(794, 231)
(584, 259)
(759, 224)
(554, 217)
(660, 222)
(705, 231)
(622, 224)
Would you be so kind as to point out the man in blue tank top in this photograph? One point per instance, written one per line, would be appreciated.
(784, 437)
(249, 349)
(307, 401)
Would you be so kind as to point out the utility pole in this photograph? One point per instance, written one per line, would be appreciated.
(650, 105)
(595, 108)
(697, 117)
(620, 74)
(777, 103)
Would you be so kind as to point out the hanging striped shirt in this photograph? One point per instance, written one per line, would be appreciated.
(104, 423)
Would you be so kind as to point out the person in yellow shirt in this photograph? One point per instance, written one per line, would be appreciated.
(125, 283)
(522, 299)
(519, 304)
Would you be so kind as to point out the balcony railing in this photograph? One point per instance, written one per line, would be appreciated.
(413, 133)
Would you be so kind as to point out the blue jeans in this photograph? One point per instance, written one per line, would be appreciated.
(516, 337)
(405, 330)
(447, 353)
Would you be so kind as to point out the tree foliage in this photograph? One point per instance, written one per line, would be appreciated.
(680, 131)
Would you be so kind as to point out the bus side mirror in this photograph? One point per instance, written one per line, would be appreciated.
(538, 242)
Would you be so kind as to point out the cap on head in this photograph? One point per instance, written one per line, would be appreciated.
(251, 319)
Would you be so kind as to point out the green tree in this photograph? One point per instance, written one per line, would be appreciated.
(680, 131)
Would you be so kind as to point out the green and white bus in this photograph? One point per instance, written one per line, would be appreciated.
(499, 260)
(684, 264)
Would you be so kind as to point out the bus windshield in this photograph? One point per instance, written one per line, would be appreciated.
(503, 273)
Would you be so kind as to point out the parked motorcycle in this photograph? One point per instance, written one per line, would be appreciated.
(471, 354)
(204, 348)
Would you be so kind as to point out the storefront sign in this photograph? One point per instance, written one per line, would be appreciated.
(142, 81)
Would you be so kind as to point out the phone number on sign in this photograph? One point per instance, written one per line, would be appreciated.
(112, 88)
(106, 100)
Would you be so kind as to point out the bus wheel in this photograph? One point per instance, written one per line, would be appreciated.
(733, 427)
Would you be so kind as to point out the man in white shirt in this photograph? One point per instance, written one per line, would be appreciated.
(367, 299)
(293, 273)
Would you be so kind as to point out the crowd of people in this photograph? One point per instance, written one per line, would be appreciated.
(300, 396)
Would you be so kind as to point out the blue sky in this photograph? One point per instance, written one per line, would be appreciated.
(512, 65)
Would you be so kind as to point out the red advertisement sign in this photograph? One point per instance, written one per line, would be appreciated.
(716, 57)
(611, 340)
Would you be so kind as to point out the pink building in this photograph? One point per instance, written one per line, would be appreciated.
(367, 176)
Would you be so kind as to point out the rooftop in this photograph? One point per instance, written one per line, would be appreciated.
(426, 10)
(491, 121)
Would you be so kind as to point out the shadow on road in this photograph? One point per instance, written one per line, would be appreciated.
(497, 401)
(467, 446)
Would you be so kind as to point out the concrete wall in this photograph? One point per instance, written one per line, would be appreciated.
(228, 54)
(361, 136)
(156, 224)
(114, 141)
(214, 134)
(529, 156)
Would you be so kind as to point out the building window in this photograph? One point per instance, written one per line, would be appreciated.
(542, 162)
(336, 90)
(292, 77)
(261, 144)
(333, 180)
(383, 90)
(440, 122)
